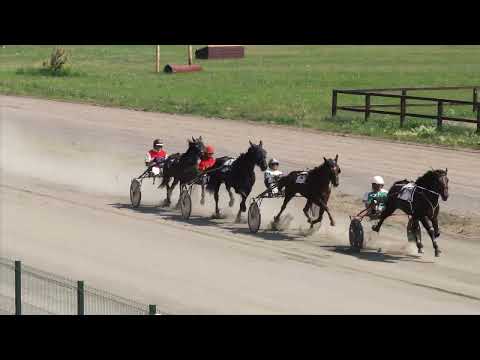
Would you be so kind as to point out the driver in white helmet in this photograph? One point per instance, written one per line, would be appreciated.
(377, 197)
(272, 175)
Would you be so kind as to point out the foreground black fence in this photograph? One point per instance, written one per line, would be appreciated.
(389, 93)
(28, 291)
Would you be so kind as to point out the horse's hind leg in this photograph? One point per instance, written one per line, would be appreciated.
(416, 227)
(288, 197)
(323, 207)
(429, 227)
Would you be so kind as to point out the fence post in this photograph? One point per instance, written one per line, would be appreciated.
(80, 298)
(478, 119)
(403, 110)
(152, 309)
(334, 103)
(475, 99)
(18, 287)
(439, 115)
(367, 107)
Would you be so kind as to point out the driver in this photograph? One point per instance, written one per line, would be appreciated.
(377, 197)
(207, 160)
(156, 156)
(272, 175)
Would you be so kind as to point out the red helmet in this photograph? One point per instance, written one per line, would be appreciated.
(209, 150)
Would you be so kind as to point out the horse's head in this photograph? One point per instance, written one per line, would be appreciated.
(333, 170)
(259, 154)
(196, 146)
(442, 182)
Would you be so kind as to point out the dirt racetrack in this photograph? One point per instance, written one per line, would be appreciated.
(65, 208)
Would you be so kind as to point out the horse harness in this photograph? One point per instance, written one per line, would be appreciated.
(410, 200)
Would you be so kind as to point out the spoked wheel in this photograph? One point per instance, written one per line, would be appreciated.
(186, 204)
(414, 233)
(314, 211)
(254, 217)
(135, 193)
(356, 234)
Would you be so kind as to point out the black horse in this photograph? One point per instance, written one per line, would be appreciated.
(240, 175)
(315, 187)
(424, 206)
(182, 168)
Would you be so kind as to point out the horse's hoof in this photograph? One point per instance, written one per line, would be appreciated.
(420, 251)
(238, 219)
(375, 228)
(437, 252)
(332, 223)
(231, 203)
(437, 235)
(166, 203)
(202, 201)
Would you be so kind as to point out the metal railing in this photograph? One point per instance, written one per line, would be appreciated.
(368, 108)
(25, 290)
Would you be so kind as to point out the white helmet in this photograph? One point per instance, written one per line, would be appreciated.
(378, 180)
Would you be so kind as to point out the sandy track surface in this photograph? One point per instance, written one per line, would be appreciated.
(66, 169)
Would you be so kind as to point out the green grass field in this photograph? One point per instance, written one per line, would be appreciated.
(289, 85)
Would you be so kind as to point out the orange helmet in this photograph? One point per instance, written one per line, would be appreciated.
(209, 150)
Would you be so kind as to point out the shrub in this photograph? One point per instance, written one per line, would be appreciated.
(58, 59)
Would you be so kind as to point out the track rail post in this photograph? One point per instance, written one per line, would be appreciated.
(152, 309)
(478, 119)
(476, 105)
(403, 108)
(367, 107)
(439, 115)
(80, 298)
(18, 287)
(334, 103)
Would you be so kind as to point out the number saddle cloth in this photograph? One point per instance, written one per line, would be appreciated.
(406, 192)
(301, 177)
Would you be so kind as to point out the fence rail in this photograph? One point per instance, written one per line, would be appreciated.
(368, 108)
(26, 290)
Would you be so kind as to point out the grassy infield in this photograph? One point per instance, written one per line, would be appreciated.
(281, 84)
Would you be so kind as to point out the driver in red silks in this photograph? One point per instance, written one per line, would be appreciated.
(207, 160)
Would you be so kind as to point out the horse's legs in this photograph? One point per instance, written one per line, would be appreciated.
(323, 207)
(306, 208)
(288, 197)
(389, 210)
(202, 200)
(215, 195)
(232, 198)
(167, 201)
(429, 227)
(243, 207)
(416, 226)
(435, 222)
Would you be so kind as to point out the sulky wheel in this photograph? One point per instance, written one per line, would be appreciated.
(185, 204)
(414, 233)
(356, 234)
(135, 193)
(254, 217)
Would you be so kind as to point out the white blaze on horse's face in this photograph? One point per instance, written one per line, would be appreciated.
(444, 184)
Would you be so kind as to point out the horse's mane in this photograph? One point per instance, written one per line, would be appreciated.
(429, 177)
(319, 170)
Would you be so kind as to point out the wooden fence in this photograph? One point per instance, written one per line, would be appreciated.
(369, 108)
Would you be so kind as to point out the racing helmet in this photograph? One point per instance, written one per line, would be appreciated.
(209, 150)
(272, 162)
(378, 180)
(157, 143)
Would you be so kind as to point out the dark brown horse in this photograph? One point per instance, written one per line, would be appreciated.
(315, 187)
(423, 207)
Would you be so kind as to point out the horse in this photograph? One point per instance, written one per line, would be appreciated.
(316, 188)
(240, 175)
(424, 206)
(182, 168)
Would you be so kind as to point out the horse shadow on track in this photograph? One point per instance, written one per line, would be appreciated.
(169, 213)
(373, 255)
